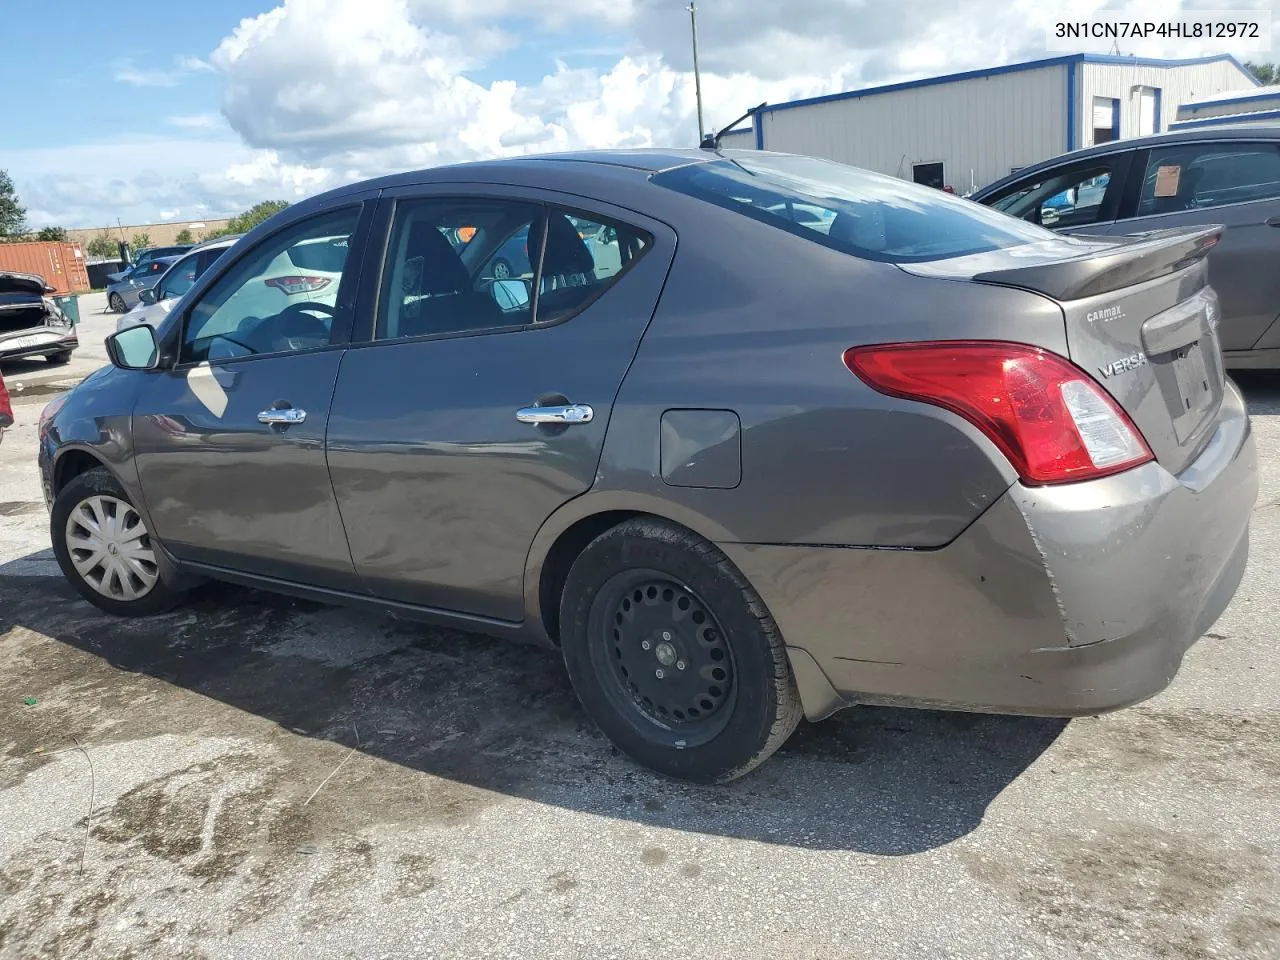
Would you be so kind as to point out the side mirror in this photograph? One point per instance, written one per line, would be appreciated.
(134, 348)
(148, 295)
(1048, 216)
(510, 294)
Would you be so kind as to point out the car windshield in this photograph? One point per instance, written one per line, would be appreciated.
(865, 214)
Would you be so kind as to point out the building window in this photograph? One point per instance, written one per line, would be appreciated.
(1106, 119)
(928, 174)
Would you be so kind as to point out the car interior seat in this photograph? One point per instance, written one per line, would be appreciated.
(568, 269)
(435, 292)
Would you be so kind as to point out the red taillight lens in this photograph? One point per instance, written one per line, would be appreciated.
(6, 409)
(1053, 421)
(292, 285)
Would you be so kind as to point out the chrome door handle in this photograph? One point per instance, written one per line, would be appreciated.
(282, 416)
(567, 413)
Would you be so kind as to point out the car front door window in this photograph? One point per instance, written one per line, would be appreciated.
(280, 297)
(1063, 198)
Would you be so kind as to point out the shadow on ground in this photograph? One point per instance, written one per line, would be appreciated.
(501, 717)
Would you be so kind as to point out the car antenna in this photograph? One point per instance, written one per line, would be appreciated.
(712, 140)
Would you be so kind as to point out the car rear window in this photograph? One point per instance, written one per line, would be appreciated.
(865, 214)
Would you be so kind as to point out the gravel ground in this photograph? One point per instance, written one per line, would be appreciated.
(256, 776)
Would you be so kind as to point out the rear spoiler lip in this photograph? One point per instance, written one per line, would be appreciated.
(1132, 260)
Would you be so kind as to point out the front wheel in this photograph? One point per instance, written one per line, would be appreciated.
(674, 655)
(116, 303)
(501, 269)
(105, 550)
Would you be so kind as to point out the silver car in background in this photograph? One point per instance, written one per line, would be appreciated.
(124, 292)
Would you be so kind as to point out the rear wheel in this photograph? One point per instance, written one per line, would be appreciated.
(57, 359)
(105, 550)
(501, 269)
(673, 654)
(116, 303)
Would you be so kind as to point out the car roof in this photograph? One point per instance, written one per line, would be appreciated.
(1224, 133)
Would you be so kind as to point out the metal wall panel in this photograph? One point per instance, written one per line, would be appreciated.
(61, 264)
(984, 125)
(1177, 84)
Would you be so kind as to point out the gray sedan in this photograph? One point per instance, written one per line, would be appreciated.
(747, 465)
(123, 294)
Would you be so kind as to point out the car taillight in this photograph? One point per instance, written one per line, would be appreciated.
(293, 285)
(1049, 417)
(6, 409)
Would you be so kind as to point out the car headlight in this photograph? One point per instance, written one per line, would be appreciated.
(51, 410)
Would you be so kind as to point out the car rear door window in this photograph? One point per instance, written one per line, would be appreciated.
(1194, 176)
(461, 265)
(280, 297)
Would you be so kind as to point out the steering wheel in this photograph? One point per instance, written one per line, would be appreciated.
(292, 326)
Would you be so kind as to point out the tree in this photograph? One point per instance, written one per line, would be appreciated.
(13, 215)
(244, 222)
(103, 246)
(1267, 73)
(140, 241)
(52, 235)
(184, 236)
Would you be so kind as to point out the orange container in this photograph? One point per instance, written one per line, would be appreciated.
(61, 264)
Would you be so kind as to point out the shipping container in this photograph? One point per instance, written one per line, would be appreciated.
(61, 264)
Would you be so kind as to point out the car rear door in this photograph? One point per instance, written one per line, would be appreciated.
(472, 412)
(229, 442)
(1235, 184)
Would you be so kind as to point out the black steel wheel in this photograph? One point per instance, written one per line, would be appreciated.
(673, 654)
(668, 657)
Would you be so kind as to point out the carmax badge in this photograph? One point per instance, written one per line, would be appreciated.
(1105, 314)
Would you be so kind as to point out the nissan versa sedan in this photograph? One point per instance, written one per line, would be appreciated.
(925, 455)
(1216, 175)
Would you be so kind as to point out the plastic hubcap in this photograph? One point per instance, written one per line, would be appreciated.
(110, 549)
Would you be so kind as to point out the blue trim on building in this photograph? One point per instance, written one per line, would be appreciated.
(1230, 120)
(757, 121)
(1073, 109)
(1159, 102)
(1228, 101)
(1115, 118)
(1067, 60)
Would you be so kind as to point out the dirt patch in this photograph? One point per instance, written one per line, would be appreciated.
(1161, 890)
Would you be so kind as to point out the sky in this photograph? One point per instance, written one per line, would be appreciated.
(181, 111)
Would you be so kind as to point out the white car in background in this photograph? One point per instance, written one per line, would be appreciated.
(155, 304)
(307, 272)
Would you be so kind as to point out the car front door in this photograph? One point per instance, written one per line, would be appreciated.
(229, 442)
(1082, 196)
(477, 406)
(1233, 183)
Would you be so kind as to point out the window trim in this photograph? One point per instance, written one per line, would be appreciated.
(1133, 196)
(392, 206)
(343, 304)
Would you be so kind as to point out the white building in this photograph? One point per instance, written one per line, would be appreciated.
(968, 129)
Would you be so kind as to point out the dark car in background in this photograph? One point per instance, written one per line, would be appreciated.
(1224, 175)
(144, 257)
(31, 325)
(737, 465)
(124, 293)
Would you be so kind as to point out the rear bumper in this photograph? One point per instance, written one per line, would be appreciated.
(61, 344)
(1057, 601)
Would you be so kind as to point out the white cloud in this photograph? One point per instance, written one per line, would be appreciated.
(127, 71)
(319, 92)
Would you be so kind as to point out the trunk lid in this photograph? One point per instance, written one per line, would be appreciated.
(1140, 319)
(23, 285)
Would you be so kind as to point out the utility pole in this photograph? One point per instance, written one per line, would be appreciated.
(697, 77)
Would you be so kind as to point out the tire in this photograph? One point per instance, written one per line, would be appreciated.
(720, 635)
(116, 303)
(57, 359)
(501, 269)
(88, 491)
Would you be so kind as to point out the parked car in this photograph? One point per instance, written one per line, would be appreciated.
(6, 408)
(928, 454)
(144, 257)
(124, 293)
(1225, 175)
(154, 304)
(31, 325)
